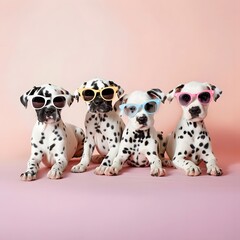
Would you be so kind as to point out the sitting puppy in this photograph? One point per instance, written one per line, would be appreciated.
(141, 145)
(53, 142)
(103, 125)
(190, 142)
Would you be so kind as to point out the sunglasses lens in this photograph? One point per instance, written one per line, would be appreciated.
(151, 107)
(38, 102)
(59, 102)
(88, 95)
(184, 99)
(204, 97)
(108, 93)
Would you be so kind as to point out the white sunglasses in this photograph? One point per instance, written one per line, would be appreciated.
(39, 101)
(131, 109)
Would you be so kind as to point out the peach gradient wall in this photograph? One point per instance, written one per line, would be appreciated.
(140, 44)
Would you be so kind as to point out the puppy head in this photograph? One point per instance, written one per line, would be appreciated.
(140, 107)
(196, 100)
(48, 101)
(99, 94)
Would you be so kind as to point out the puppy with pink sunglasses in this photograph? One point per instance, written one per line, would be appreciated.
(189, 143)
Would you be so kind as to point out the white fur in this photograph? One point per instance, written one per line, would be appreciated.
(189, 143)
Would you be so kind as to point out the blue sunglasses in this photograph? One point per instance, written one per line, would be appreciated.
(131, 109)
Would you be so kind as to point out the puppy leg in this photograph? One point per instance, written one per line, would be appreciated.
(190, 168)
(32, 166)
(57, 169)
(117, 164)
(155, 165)
(107, 161)
(86, 157)
(212, 167)
(162, 143)
(80, 136)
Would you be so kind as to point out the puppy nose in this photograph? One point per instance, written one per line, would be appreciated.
(98, 100)
(195, 111)
(50, 110)
(142, 120)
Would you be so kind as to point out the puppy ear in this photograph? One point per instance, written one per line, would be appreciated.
(76, 95)
(120, 90)
(70, 98)
(157, 93)
(217, 91)
(25, 96)
(171, 94)
(120, 101)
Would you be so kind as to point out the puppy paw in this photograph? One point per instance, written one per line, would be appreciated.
(214, 171)
(28, 176)
(167, 163)
(111, 171)
(79, 168)
(193, 170)
(54, 174)
(158, 172)
(100, 170)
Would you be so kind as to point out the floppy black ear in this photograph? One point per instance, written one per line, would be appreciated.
(120, 89)
(171, 94)
(25, 96)
(217, 91)
(157, 93)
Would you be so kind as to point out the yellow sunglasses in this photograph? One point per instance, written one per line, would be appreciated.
(89, 94)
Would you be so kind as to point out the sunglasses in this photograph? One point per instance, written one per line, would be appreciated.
(89, 94)
(203, 97)
(39, 102)
(131, 109)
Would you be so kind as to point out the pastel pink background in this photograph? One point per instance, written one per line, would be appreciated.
(140, 44)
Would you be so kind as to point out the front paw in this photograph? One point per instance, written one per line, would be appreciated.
(79, 168)
(54, 174)
(214, 170)
(100, 170)
(111, 171)
(193, 170)
(28, 176)
(157, 172)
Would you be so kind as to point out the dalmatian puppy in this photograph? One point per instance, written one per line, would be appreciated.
(141, 145)
(102, 123)
(190, 143)
(53, 142)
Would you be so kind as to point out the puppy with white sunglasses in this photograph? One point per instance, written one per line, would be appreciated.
(141, 145)
(53, 142)
(190, 143)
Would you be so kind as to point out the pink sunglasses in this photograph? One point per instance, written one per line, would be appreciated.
(203, 97)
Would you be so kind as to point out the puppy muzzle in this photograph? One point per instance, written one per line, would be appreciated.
(48, 114)
(100, 105)
(195, 111)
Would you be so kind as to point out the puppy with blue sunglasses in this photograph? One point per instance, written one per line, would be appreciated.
(141, 144)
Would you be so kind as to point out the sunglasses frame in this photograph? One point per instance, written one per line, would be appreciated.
(48, 98)
(194, 96)
(139, 107)
(81, 90)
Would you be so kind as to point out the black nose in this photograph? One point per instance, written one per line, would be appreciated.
(195, 111)
(98, 100)
(50, 110)
(142, 120)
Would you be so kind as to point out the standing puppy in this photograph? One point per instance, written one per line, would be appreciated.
(53, 142)
(141, 145)
(190, 142)
(103, 125)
